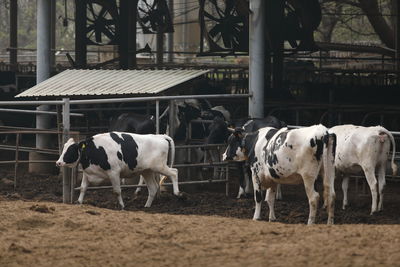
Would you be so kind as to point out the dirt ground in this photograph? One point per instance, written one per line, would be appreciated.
(206, 228)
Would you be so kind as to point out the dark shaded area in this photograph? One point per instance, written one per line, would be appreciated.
(212, 201)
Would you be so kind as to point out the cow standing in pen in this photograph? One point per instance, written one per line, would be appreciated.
(287, 157)
(364, 149)
(110, 155)
(219, 133)
(134, 123)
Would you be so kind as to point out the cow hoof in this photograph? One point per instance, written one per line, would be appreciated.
(272, 220)
(256, 219)
(182, 196)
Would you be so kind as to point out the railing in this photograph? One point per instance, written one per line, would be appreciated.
(69, 177)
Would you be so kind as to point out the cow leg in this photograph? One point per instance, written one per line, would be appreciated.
(248, 189)
(371, 179)
(172, 173)
(279, 192)
(152, 187)
(138, 189)
(84, 185)
(242, 176)
(116, 184)
(381, 184)
(257, 198)
(215, 158)
(313, 198)
(270, 198)
(329, 196)
(345, 188)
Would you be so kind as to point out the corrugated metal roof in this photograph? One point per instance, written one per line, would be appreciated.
(110, 82)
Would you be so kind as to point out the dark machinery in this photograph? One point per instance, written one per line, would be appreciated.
(225, 25)
(154, 16)
(102, 22)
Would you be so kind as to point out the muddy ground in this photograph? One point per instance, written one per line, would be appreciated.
(206, 228)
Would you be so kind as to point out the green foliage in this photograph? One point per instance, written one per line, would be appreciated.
(27, 24)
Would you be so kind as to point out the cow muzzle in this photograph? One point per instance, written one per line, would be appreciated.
(60, 164)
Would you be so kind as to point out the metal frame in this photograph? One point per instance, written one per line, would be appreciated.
(70, 175)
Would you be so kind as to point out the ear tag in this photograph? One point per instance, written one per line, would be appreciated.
(83, 146)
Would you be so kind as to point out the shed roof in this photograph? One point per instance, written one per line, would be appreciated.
(110, 82)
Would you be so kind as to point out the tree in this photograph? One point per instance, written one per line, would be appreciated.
(380, 15)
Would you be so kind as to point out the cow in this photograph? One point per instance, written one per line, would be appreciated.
(219, 132)
(110, 155)
(283, 156)
(134, 123)
(364, 149)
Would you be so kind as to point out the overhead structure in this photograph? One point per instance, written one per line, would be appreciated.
(225, 28)
(77, 83)
(112, 22)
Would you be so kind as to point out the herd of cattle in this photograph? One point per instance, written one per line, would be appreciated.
(269, 153)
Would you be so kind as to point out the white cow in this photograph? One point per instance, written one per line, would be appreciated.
(364, 149)
(110, 155)
(287, 157)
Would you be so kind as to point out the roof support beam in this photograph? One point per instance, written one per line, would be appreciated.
(257, 58)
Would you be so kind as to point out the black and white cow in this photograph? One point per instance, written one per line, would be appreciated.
(219, 132)
(364, 149)
(134, 123)
(287, 157)
(110, 155)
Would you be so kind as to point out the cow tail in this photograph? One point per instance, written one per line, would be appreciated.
(328, 157)
(393, 165)
(171, 144)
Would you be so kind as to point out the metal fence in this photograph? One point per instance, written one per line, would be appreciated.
(69, 176)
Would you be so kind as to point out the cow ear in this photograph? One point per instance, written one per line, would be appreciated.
(231, 130)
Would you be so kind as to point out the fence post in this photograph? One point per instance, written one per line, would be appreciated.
(16, 160)
(157, 117)
(66, 171)
(171, 126)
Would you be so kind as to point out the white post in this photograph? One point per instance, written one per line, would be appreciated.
(42, 74)
(67, 195)
(257, 58)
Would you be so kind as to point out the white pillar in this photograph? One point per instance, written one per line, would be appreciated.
(43, 64)
(257, 58)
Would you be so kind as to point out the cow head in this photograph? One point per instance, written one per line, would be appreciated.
(70, 154)
(218, 131)
(235, 150)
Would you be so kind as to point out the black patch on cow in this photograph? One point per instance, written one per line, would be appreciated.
(279, 141)
(312, 142)
(273, 173)
(320, 148)
(334, 138)
(71, 155)
(270, 134)
(250, 141)
(129, 148)
(326, 138)
(119, 155)
(272, 160)
(90, 154)
(259, 196)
